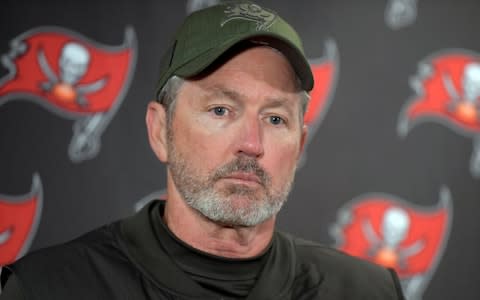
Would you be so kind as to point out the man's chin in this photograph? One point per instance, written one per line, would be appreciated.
(236, 211)
(245, 219)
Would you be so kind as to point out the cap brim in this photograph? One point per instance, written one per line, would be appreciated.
(300, 65)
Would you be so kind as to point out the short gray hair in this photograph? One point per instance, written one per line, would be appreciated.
(168, 96)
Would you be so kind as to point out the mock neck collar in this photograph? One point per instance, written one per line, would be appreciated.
(143, 234)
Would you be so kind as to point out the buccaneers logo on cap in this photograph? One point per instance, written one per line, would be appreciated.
(447, 90)
(249, 12)
(72, 76)
(19, 218)
(393, 233)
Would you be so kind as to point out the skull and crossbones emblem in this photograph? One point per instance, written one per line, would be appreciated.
(73, 65)
(465, 105)
(387, 250)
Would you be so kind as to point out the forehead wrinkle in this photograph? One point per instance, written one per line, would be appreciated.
(223, 92)
(281, 102)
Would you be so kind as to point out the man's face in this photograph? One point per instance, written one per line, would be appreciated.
(235, 138)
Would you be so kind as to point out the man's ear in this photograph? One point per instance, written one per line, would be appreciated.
(156, 119)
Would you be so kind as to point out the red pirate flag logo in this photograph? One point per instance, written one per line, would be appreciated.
(393, 233)
(74, 77)
(325, 74)
(447, 90)
(19, 218)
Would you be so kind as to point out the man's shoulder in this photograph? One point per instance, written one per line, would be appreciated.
(100, 242)
(330, 258)
(94, 261)
(327, 257)
(90, 255)
(339, 269)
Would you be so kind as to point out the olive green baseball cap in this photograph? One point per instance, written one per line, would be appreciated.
(208, 33)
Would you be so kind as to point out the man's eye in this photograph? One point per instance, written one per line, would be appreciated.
(219, 110)
(276, 120)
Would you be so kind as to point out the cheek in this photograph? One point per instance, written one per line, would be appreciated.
(281, 158)
(200, 145)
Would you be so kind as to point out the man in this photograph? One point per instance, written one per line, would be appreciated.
(228, 123)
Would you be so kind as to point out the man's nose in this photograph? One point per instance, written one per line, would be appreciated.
(250, 139)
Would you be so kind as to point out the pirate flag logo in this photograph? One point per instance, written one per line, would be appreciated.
(325, 74)
(73, 77)
(447, 90)
(393, 233)
(19, 218)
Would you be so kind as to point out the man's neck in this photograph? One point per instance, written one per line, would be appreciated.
(217, 239)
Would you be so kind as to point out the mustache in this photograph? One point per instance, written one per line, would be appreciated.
(242, 164)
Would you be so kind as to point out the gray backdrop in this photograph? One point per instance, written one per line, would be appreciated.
(392, 168)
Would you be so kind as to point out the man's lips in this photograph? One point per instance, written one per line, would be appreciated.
(247, 178)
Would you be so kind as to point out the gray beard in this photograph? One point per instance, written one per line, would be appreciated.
(257, 205)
